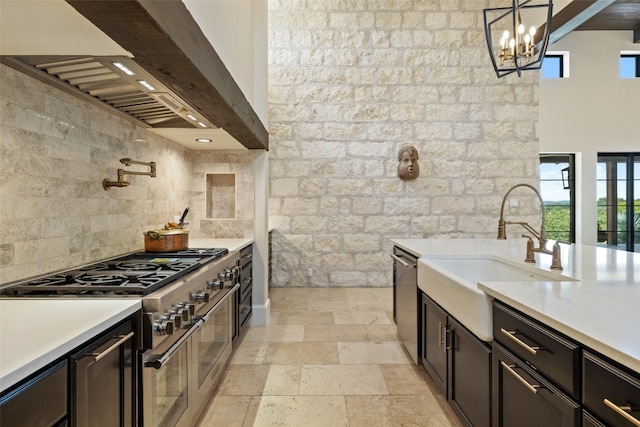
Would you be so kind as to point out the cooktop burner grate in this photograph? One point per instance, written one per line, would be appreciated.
(136, 274)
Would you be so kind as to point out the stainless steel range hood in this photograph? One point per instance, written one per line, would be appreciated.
(63, 42)
(117, 82)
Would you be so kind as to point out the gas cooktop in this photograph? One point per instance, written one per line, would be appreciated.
(135, 274)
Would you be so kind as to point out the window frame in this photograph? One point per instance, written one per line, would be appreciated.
(564, 64)
(570, 178)
(630, 159)
(636, 56)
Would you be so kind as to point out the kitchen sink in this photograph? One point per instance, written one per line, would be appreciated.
(452, 282)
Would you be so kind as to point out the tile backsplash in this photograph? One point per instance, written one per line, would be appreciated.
(56, 151)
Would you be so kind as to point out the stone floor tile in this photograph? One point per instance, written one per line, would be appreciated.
(381, 332)
(372, 352)
(344, 317)
(327, 380)
(244, 380)
(396, 410)
(335, 333)
(249, 353)
(406, 379)
(294, 411)
(303, 318)
(299, 353)
(228, 411)
(275, 333)
(332, 305)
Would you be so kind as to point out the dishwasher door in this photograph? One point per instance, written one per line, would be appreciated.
(405, 283)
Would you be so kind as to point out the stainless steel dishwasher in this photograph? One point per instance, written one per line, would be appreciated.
(405, 299)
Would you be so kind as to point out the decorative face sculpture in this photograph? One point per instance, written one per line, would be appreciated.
(408, 167)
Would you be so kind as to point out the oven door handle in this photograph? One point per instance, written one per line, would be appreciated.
(157, 361)
(208, 314)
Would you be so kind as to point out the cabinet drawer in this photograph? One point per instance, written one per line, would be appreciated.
(523, 398)
(41, 401)
(610, 393)
(545, 350)
(245, 309)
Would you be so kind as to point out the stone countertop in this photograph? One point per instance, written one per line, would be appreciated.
(35, 332)
(600, 310)
(231, 244)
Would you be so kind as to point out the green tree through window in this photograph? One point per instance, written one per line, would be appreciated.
(557, 190)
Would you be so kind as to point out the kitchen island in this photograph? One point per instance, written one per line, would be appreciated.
(501, 337)
(600, 309)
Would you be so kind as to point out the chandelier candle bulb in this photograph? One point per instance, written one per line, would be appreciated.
(517, 49)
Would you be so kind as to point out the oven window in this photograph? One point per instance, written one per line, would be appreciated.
(169, 387)
(213, 339)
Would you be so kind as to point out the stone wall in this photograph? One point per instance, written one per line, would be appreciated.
(350, 82)
(55, 150)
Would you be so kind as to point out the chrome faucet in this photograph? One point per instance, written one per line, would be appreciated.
(541, 235)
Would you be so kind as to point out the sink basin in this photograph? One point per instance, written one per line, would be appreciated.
(452, 282)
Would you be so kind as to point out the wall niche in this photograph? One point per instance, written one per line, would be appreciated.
(221, 196)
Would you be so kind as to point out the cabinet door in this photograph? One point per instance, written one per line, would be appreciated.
(103, 380)
(521, 398)
(609, 392)
(434, 354)
(469, 376)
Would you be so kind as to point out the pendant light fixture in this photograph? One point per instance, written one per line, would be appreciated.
(513, 37)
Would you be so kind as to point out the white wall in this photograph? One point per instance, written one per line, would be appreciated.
(592, 111)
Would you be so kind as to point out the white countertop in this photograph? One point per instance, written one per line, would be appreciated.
(35, 332)
(231, 244)
(601, 310)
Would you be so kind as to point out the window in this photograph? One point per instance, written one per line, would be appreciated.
(629, 65)
(618, 192)
(558, 194)
(555, 65)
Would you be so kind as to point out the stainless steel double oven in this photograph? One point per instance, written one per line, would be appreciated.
(190, 344)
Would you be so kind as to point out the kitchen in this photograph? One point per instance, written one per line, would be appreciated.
(332, 194)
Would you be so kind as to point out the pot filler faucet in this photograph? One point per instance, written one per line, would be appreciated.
(541, 236)
(106, 184)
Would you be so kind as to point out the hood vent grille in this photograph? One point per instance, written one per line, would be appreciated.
(121, 84)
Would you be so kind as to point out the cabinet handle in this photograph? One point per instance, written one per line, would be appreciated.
(402, 262)
(512, 334)
(532, 387)
(623, 411)
(123, 338)
(442, 336)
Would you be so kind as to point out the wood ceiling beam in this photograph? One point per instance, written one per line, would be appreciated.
(573, 15)
(167, 42)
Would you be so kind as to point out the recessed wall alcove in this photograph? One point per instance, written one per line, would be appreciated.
(221, 196)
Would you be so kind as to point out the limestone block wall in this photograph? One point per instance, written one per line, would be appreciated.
(350, 83)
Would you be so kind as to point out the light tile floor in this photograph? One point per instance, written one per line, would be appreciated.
(329, 357)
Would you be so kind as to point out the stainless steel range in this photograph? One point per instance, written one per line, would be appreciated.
(187, 325)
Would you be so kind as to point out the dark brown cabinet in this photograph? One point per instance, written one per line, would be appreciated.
(610, 392)
(458, 362)
(103, 382)
(243, 297)
(523, 398)
(536, 376)
(38, 401)
(434, 346)
(95, 385)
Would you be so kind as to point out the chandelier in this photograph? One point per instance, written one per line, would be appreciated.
(519, 45)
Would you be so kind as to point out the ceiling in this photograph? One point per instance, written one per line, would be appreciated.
(108, 28)
(620, 15)
(596, 15)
